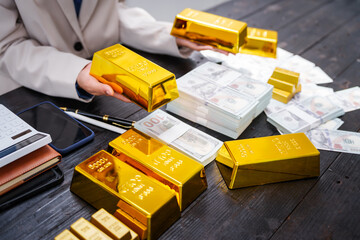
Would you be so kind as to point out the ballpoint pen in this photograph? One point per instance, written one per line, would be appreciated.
(118, 122)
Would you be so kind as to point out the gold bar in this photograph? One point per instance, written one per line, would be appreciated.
(260, 42)
(84, 230)
(142, 81)
(209, 29)
(106, 182)
(281, 96)
(282, 85)
(66, 235)
(286, 76)
(264, 160)
(110, 225)
(185, 176)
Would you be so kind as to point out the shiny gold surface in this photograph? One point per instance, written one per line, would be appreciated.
(110, 225)
(84, 230)
(259, 161)
(209, 29)
(183, 175)
(142, 81)
(66, 235)
(260, 42)
(106, 182)
(286, 84)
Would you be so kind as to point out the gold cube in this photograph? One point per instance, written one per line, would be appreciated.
(185, 176)
(106, 182)
(259, 161)
(260, 42)
(142, 81)
(209, 29)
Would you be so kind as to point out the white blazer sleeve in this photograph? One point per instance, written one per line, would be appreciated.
(42, 68)
(140, 30)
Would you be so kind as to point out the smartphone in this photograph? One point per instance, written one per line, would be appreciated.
(66, 132)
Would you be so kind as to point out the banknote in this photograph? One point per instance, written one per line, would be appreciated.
(321, 107)
(348, 99)
(315, 75)
(179, 135)
(310, 90)
(332, 124)
(289, 122)
(335, 140)
(275, 106)
(251, 87)
(297, 64)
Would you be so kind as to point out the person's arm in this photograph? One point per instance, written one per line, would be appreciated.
(42, 68)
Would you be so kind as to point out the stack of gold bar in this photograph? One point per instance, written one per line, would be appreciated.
(209, 29)
(102, 226)
(260, 42)
(174, 170)
(106, 182)
(142, 81)
(286, 84)
(259, 161)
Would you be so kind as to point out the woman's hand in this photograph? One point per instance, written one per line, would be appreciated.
(197, 47)
(94, 87)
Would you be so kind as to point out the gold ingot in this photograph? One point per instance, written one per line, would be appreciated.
(259, 161)
(185, 176)
(286, 76)
(282, 85)
(260, 42)
(281, 96)
(84, 230)
(66, 235)
(142, 81)
(106, 182)
(209, 29)
(110, 225)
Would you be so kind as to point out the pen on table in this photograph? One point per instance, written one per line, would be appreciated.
(119, 122)
(96, 122)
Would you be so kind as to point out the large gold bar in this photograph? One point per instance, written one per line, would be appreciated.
(259, 161)
(142, 81)
(185, 176)
(209, 29)
(260, 42)
(106, 182)
(84, 230)
(110, 225)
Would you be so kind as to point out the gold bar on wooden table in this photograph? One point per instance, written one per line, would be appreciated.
(142, 81)
(209, 29)
(66, 235)
(110, 225)
(258, 161)
(84, 230)
(185, 176)
(104, 181)
(260, 42)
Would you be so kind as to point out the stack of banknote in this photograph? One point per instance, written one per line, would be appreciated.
(220, 98)
(180, 136)
(305, 115)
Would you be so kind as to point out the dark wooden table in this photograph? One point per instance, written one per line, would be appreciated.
(326, 32)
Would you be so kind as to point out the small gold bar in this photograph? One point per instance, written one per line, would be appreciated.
(106, 182)
(281, 96)
(185, 176)
(282, 85)
(259, 161)
(286, 76)
(209, 29)
(142, 81)
(110, 225)
(260, 42)
(84, 230)
(66, 235)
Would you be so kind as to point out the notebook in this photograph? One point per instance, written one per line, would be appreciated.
(17, 138)
(27, 167)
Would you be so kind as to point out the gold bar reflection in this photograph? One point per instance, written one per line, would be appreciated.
(260, 42)
(106, 182)
(142, 81)
(173, 169)
(258, 161)
(209, 29)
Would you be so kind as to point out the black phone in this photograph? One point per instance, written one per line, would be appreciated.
(66, 132)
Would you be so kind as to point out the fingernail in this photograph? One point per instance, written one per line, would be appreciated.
(108, 92)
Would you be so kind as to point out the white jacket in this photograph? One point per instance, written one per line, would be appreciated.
(44, 46)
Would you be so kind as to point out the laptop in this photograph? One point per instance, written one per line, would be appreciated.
(18, 138)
